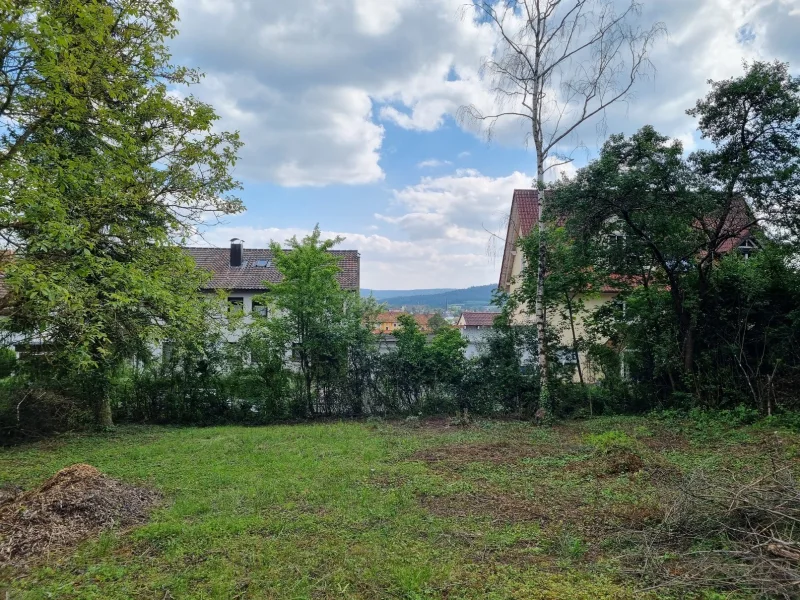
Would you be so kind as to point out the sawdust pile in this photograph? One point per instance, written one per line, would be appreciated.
(75, 504)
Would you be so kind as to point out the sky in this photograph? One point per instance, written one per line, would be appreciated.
(348, 112)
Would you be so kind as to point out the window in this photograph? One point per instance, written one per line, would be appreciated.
(747, 246)
(565, 356)
(260, 309)
(262, 263)
(235, 304)
(616, 246)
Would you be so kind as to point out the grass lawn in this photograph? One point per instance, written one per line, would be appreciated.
(373, 510)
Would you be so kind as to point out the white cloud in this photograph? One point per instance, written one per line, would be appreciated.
(442, 231)
(433, 163)
(299, 80)
(466, 199)
(385, 263)
(556, 168)
(688, 141)
(704, 42)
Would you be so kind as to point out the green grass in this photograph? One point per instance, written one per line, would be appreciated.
(367, 510)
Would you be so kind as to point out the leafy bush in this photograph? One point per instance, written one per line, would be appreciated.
(8, 362)
(28, 410)
(612, 441)
(709, 422)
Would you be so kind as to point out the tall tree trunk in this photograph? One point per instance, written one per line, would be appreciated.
(306, 368)
(688, 347)
(574, 339)
(577, 354)
(99, 384)
(104, 410)
(685, 327)
(544, 388)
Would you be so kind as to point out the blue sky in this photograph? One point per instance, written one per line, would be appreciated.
(347, 110)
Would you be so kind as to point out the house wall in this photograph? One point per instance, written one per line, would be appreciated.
(557, 323)
(387, 326)
(247, 299)
(522, 316)
(476, 338)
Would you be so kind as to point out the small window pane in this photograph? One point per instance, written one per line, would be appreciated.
(260, 309)
(262, 263)
(235, 304)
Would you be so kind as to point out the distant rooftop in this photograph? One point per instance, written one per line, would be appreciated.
(257, 268)
(477, 319)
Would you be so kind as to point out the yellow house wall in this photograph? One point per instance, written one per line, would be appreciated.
(590, 304)
(561, 325)
(520, 316)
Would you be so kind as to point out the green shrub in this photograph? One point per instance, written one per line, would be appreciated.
(8, 362)
(710, 421)
(612, 441)
(29, 411)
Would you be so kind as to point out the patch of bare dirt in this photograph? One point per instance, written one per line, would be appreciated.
(504, 509)
(75, 504)
(665, 441)
(496, 453)
(626, 463)
(9, 493)
(609, 465)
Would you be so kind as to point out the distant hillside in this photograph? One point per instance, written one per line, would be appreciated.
(473, 297)
(385, 294)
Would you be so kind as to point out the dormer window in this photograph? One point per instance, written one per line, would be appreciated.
(746, 247)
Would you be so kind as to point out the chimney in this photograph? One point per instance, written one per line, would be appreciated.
(236, 252)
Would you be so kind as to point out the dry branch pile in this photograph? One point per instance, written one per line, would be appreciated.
(74, 504)
(728, 534)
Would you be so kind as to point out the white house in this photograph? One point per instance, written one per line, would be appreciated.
(474, 327)
(244, 273)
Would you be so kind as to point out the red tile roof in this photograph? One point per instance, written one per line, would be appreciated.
(252, 277)
(737, 227)
(422, 321)
(478, 319)
(528, 207)
(391, 317)
(524, 209)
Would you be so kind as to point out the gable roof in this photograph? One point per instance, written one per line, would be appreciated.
(422, 320)
(739, 225)
(477, 319)
(391, 316)
(252, 277)
(524, 209)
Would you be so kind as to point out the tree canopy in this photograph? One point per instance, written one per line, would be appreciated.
(105, 165)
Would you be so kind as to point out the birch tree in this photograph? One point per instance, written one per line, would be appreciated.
(557, 65)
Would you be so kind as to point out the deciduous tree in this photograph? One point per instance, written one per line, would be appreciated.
(557, 65)
(104, 165)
